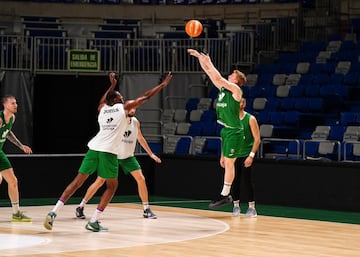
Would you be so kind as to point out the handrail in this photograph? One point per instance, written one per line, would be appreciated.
(270, 139)
(323, 140)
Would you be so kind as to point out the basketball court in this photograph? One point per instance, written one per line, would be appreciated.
(176, 232)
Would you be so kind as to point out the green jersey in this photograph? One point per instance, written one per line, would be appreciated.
(248, 136)
(228, 109)
(232, 134)
(4, 129)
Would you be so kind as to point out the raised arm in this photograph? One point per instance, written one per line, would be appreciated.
(214, 75)
(113, 83)
(148, 94)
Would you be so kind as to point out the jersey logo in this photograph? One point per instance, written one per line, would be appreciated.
(109, 120)
(4, 134)
(127, 133)
(221, 96)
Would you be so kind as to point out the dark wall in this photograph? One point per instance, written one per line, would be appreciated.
(47, 176)
(65, 112)
(332, 186)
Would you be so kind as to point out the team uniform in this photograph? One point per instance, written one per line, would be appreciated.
(103, 148)
(126, 158)
(248, 136)
(246, 171)
(232, 133)
(4, 130)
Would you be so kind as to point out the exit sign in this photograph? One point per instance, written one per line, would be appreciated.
(84, 60)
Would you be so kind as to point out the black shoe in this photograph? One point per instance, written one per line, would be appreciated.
(222, 200)
(79, 212)
(148, 214)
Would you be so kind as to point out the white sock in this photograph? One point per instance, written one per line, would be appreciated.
(15, 207)
(226, 189)
(95, 216)
(145, 206)
(58, 206)
(83, 203)
(237, 203)
(252, 204)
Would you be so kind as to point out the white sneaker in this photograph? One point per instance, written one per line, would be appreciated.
(251, 213)
(236, 211)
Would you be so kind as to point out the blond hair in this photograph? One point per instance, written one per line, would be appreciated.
(241, 77)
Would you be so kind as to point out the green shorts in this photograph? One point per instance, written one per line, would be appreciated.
(4, 162)
(130, 164)
(105, 164)
(232, 142)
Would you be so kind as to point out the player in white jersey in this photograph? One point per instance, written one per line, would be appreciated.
(103, 148)
(128, 164)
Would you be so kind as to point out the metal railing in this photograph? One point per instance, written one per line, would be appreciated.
(43, 54)
(51, 54)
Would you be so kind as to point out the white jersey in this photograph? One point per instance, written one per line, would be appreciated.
(112, 124)
(129, 139)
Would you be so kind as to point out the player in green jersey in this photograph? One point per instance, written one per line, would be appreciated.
(245, 161)
(7, 119)
(227, 109)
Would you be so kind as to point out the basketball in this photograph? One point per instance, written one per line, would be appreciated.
(193, 28)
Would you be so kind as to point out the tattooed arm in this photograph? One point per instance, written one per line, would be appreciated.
(13, 139)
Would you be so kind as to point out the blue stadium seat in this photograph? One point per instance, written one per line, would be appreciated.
(337, 132)
(297, 91)
(287, 104)
(311, 149)
(195, 129)
(301, 104)
(212, 146)
(208, 116)
(312, 90)
(208, 128)
(351, 78)
(292, 118)
(316, 105)
(276, 118)
(263, 117)
(183, 146)
(348, 118)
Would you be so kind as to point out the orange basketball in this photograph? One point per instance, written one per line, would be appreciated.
(193, 28)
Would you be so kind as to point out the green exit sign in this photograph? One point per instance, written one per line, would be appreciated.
(84, 60)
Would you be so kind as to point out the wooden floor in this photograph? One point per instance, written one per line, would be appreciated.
(176, 232)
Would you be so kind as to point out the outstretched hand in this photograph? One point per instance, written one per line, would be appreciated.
(167, 79)
(27, 149)
(193, 52)
(112, 77)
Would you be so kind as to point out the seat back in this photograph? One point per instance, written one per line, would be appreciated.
(167, 115)
(184, 145)
(266, 130)
(170, 143)
(321, 133)
(259, 103)
(169, 128)
(180, 115)
(282, 91)
(183, 128)
(195, 115)
(326, 147)
(204, 103)
(199, 143)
